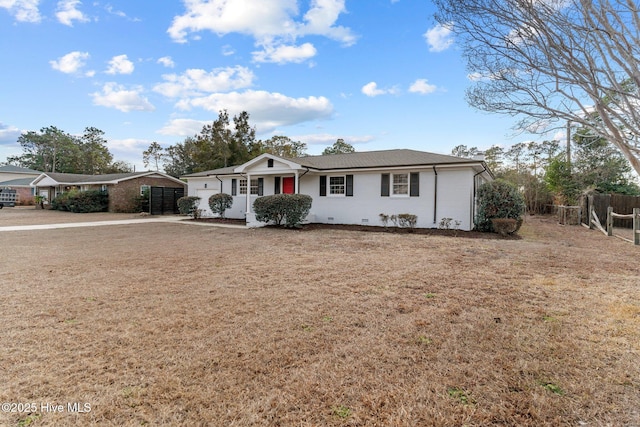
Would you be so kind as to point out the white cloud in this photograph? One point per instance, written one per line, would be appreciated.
(439, 38)
(129, 145)
(9, 134)
(476, 76)
(261, 19)
(116, 96)
(423, 87)
(284, 54)
(120, 65)
(167, 62)
(67, 12)
(371, 89)
(320, 20)
(71, 63)
(271, 23)
(196, 82)
(23, 10)
(268, 110)
(227, 50)
(183, 127)
(110, 9)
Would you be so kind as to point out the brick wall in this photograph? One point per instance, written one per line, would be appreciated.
(24, 195)
(122, 197)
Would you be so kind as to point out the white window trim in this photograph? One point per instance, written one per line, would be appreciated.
(144, 187)
(242, 187)
(344, 186)
(392, 192)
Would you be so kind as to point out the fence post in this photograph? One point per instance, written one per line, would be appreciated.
(591, 210)
(610, 221)
(636, 226)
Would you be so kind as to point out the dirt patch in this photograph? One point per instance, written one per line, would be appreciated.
(171, 324)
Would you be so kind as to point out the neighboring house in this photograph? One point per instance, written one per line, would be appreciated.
(354, 188)
(19, 179)
(122, 188)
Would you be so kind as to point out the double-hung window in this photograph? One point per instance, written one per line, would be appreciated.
(337, 185)
(400, 185)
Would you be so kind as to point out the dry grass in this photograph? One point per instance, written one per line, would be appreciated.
(177, 324)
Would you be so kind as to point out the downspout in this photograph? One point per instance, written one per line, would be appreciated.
(220, 183)
(435, 195)
(298, 183)
(475, 189)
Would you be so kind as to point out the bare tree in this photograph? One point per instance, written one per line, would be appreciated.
(554, 61)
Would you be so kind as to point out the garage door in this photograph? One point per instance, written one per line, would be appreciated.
(204, 195)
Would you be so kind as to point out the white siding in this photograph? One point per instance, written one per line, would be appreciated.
(455, 188)
(203, 188)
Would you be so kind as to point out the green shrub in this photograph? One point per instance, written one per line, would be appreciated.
(219, 203)
(82, 201)
(188, 205)
(283, 209)
(498, 199)
(59, 203)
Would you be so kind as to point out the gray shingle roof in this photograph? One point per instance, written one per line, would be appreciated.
(373, 159)
(17, 169)
(357, 160)
(221, 171)
(71, 178)
(20, 182)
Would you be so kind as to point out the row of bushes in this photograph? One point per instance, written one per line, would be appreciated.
(82, 201)
(280, 209)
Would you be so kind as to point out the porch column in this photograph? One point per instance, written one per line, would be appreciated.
(248, 193)
(297, 183)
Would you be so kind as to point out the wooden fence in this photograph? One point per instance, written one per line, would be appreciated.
(620, 203)
(569, 215)
(594, 222)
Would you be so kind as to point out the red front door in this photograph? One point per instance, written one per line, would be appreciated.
(288, 185)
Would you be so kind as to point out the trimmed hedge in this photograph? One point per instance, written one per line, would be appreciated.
(220, 202)
(498, 199)
(82, 201)
(188, 205)
(283, 209)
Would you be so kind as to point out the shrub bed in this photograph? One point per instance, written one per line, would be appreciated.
(498, 199)
(82, 201)
(220, 202)
(283, 209)
(188, 205)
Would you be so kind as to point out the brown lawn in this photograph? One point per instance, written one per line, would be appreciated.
(178, 324)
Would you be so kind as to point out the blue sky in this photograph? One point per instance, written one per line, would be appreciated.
(378, 73)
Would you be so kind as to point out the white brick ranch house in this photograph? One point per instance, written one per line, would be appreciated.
(353, 188)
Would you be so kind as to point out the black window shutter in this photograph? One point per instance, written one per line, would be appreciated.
(234, 187)
(349, 186)
(384, 185)
(276, 187)
(269, 163)
(414, 184)
(260, 186)
(323, 185)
